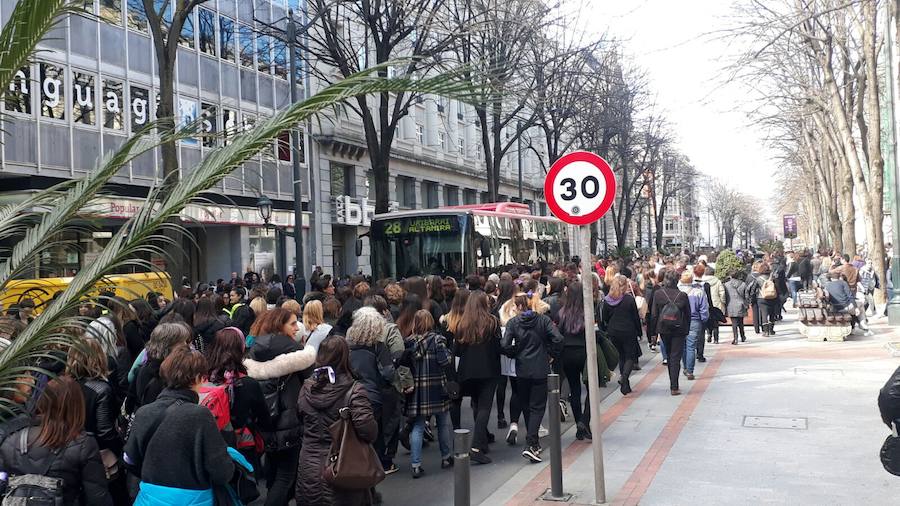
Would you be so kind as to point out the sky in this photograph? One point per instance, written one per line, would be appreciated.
(673, 42)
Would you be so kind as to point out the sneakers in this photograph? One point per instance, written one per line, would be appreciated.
(690, 376)
(512, 434)
(542, 432)
(868, 333)
(532, 453)
(479, 457)
(665, 362)
(447, 462)
(417, 472)
(701, 359)
(391, 469)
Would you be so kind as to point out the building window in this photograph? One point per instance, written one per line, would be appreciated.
(248, 48)
(370, 181)
(543, 208)
(442, 138)
(470, 197)
(229, 124)
(18, 97)
(263, 58)
(461, 145)
(284, 146)
(140, 108)
(342, 180)
(53, 96)
(478, 150)
(420, 133)
(137, 16)
(206, 21)
(451, 196)
(210, 125)
(187, 32)
(280, 58)
(485, 197)
(83, 98)
(669, 226)
(226, 38)
(430, 194)
(111, 11)
(441, 105)
(406, 192)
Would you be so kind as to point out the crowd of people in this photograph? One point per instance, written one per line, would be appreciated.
(241, 379)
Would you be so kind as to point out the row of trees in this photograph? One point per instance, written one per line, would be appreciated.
(816, 68)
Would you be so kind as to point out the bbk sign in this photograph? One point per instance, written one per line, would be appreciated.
(357, 211)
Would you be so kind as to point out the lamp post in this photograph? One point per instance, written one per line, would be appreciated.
(264, 206)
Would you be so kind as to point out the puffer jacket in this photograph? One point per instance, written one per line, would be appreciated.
(101, 412)
(318, 408)
(277, 362)
(78, 465)
(532, 339)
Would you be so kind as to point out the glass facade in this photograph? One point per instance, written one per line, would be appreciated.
(71, 105)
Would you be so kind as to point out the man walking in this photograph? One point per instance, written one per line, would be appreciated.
(699, 316)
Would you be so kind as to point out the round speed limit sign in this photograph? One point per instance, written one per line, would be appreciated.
(580, 188)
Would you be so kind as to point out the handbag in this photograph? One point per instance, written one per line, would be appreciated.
(639, 301)
(351, 464)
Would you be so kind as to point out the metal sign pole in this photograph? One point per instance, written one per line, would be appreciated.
(587, 283)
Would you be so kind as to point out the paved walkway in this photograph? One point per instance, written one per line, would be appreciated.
(703, 448)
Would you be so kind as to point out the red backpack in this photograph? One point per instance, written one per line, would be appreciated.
(219, 398)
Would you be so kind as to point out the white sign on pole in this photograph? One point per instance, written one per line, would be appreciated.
(580, 188)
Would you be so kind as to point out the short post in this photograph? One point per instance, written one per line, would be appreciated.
(462, 440)
(556, 475)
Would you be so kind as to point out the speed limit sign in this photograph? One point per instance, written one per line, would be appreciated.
(580, 188)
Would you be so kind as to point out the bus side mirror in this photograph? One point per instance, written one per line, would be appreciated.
(359, 247)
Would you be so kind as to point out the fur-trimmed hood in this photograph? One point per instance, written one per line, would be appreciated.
(508, 310)
(282, 365)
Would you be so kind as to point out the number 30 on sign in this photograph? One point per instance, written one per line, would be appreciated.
(580, 188)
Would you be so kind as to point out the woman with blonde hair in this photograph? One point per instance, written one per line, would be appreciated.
(259, 306)
(314, 326)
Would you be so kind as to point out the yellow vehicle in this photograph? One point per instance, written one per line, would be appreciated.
(128, 286)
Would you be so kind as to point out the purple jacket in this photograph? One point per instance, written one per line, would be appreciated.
(697, 298)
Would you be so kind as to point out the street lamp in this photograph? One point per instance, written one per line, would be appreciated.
(264, 206)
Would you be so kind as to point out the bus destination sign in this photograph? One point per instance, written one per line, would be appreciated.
(424, 225)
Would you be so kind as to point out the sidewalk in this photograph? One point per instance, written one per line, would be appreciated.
(704, 447)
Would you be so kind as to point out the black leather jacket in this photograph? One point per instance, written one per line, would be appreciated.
(101, 411)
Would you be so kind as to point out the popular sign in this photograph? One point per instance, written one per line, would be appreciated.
(580, 188)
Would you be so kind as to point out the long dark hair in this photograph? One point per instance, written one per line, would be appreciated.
(507, 290)
(143, 311)
(226, 354)
(479, 324)
(436, 286)
(571, 312)
(206, 310)
(334, 353)
(405, 321)
(185, 308)
(417, 285)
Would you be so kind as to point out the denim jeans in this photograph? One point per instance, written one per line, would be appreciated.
(794, 287)
(662, 349)
(418, 432)
(690, 346)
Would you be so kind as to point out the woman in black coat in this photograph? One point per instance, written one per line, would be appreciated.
(672, 329)
(478, 348)
(622, 323)
(207, 321)
(174, 444)
(55, 444)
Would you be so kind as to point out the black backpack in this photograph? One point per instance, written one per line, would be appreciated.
(669, 321)
(31, 489)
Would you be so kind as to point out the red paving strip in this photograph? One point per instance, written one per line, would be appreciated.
(640, 479)
(540, 483)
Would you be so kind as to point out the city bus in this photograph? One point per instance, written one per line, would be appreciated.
(460, 240)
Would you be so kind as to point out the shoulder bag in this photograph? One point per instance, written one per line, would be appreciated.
(351, 464)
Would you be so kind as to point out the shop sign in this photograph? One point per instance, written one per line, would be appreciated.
(123, 208)
(357, 211)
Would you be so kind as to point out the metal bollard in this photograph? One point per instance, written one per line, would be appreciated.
(556, 475)
(462, 441)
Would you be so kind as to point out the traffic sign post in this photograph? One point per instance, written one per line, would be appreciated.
(580, 188)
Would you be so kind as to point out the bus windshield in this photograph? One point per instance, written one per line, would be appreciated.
(419, 246)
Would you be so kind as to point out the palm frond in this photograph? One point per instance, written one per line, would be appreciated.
(165, 202)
